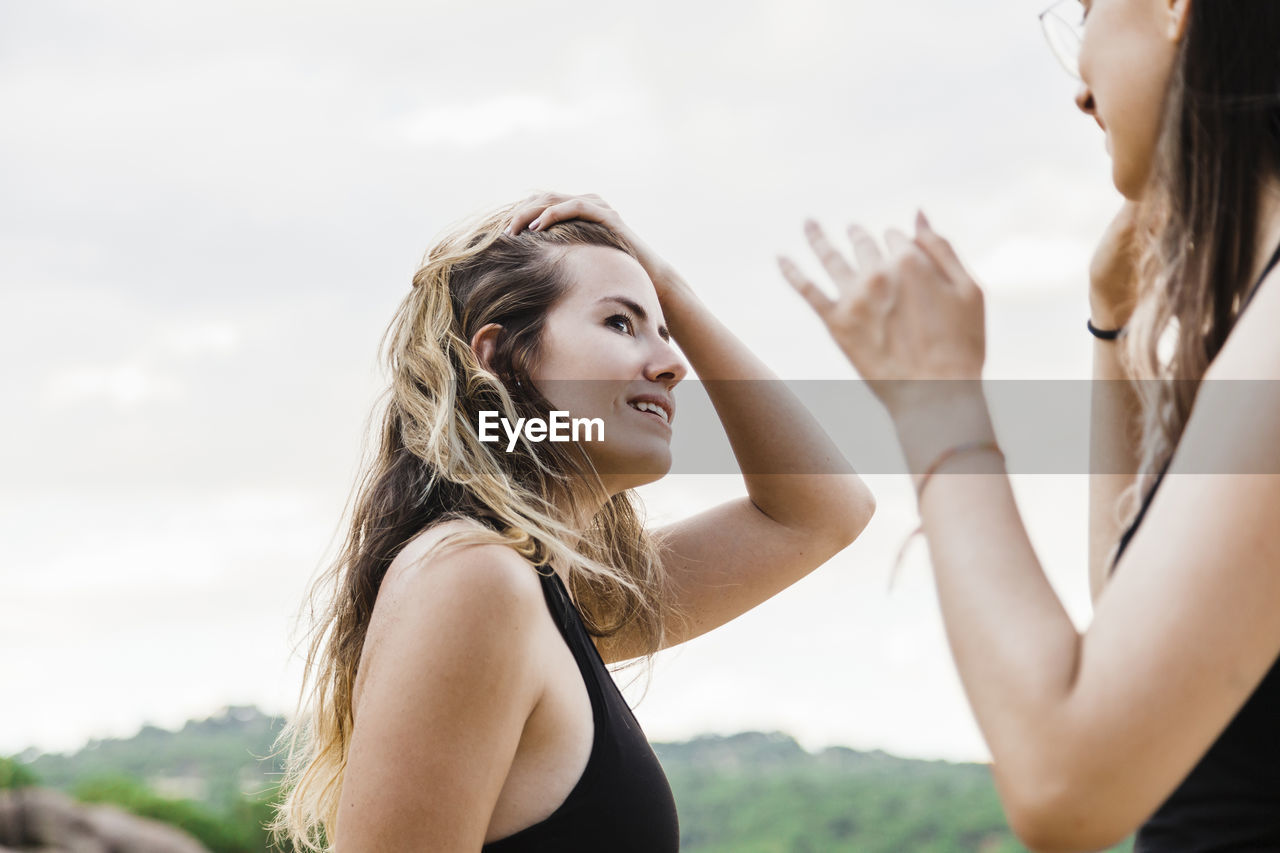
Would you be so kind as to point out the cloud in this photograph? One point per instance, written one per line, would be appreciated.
(482, 122)
(143, 377)
(201, 339)
(125, 385)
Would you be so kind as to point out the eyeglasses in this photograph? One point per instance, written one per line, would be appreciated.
(1063, 26)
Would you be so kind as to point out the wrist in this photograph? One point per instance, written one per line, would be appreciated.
(949, 456)
(936, 415)
(916, 401)
(1107, 314)
(1102, 334)
(660, 272)
(672, 288)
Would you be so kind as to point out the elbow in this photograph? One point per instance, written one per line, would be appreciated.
(1058, 814)
(1047, 834)
(829, 524)
(857, 512)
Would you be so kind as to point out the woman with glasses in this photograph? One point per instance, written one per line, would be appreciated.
(1164, 716)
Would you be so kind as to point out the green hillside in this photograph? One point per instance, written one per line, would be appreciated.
(762, 793)
(746, 793)
(214, 761)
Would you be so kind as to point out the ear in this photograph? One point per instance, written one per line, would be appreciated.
(484, 343)
(1179, 15)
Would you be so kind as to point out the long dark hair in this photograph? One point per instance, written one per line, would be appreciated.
(1219, 145)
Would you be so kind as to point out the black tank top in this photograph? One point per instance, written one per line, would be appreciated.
(1230, 801)
(622, 803)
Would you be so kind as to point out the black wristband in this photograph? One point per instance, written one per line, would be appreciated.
(1103, 334)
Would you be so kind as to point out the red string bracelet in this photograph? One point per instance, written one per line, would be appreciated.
(952, 452)
(967, 447)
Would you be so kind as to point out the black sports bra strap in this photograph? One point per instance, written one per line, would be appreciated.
(1266, 271)
(622, 802)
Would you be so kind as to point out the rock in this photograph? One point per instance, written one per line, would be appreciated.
(52, 822)
(48, 818)
(125, 832)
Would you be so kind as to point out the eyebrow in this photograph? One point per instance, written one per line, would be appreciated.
(637, 310)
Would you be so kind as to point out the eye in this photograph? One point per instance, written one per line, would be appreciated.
(627, 324)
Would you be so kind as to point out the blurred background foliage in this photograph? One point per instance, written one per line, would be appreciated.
(747, 793)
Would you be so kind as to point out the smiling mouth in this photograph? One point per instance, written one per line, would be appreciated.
(652, 410)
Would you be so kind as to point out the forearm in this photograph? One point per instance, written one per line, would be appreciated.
(768, 427)
(1015, 648)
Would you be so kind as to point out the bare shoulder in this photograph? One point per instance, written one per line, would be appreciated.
(428, 565)
(481, 602)
(451, 670)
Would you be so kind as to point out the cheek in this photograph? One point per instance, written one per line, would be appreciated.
(1137, 132)
(1128, 80)
(584, 396)
(584, 350)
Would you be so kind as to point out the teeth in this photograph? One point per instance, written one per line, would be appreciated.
(646, 406)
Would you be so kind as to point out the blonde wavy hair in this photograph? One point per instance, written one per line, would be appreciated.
(430, 466)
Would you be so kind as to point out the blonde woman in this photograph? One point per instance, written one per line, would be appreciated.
(459, 699)
(1164, 716)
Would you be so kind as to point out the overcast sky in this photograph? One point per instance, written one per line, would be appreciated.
(208, 213)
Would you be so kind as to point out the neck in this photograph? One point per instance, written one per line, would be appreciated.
(579, 518)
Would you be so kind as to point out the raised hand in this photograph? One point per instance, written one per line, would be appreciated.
(910, 311)
(544, 209)
(1113, 272)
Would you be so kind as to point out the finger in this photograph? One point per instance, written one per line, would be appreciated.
(574, 208)
(548, 198)
(818, 301)
(896, 242)
(529, 209)
(537, 197)
(865, 250)
(878, 290)
(941, 253)
(832, 260)
(911, 265)
(522, 217)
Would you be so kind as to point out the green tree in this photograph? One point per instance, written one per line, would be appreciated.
(15, 774)
(219, 835)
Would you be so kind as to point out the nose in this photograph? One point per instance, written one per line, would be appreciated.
(666, 366)
(1084, 100)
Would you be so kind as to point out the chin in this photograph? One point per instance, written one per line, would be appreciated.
(1131, 190)
(1130, 176)
(638, 469)
(643, 480)
(650, 467)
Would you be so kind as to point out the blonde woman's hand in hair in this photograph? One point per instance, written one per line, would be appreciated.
(545, 209)
(1113, 272)
(907, 311)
